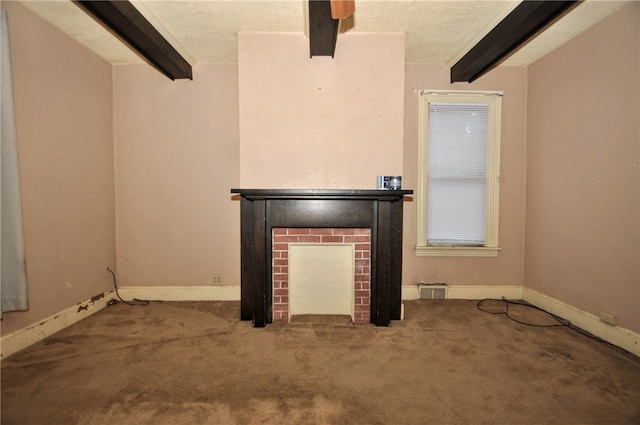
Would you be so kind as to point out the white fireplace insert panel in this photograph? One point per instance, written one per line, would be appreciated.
(321, 278)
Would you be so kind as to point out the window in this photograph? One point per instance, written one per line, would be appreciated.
(458, 173)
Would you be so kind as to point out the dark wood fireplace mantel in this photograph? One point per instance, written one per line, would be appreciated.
(262, 210)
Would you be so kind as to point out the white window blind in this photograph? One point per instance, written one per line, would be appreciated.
(457, 173)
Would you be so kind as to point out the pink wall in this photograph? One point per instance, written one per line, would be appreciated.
(63, 104)
(506, 268)
(333, 123)
(583, 182)
(320, 122)
(176, 149)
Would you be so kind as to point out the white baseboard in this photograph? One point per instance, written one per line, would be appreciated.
(616, 335)
(621, 337)
(469, 292)
(22, 338)
(15, 341)
(181, 293)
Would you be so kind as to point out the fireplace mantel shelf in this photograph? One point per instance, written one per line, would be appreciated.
(262, 210)
(363, 194)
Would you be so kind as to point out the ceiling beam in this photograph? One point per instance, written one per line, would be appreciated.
(323, 29)
(126, 22)
(341, 9)
(523, 23)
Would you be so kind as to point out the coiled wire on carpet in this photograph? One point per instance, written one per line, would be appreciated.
(562, 322)
(135, 301)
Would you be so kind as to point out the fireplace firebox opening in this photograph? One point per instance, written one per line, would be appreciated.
(360, 238)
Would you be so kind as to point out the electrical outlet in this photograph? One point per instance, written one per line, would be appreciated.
(216, 279)
(608, 318)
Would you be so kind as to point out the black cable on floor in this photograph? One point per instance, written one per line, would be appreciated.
(562, 322)
(136, 301)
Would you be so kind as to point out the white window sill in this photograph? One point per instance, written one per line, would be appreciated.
(456, 251)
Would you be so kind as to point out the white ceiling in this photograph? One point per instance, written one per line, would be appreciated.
(437, 31)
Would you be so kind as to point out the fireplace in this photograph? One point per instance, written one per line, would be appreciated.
(356, 294)
(263, 210)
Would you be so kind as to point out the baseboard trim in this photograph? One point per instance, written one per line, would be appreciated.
(616, 335)
(181, 293)
(469, 292)
(22, 338)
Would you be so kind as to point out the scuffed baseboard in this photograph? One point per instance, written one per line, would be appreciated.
(616, 335)
(16, 341)
(181, 293)
(22, 338)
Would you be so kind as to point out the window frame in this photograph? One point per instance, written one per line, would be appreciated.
(494, 99)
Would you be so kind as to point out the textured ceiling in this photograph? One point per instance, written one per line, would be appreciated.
(437, 31)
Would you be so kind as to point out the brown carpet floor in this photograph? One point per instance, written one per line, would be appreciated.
(196, 363)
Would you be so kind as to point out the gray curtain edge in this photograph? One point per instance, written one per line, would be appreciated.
(13, 273)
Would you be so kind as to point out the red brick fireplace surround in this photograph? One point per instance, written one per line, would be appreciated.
(263, 210)
(360, 238)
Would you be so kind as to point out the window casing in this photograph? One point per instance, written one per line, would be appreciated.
(462, 173)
